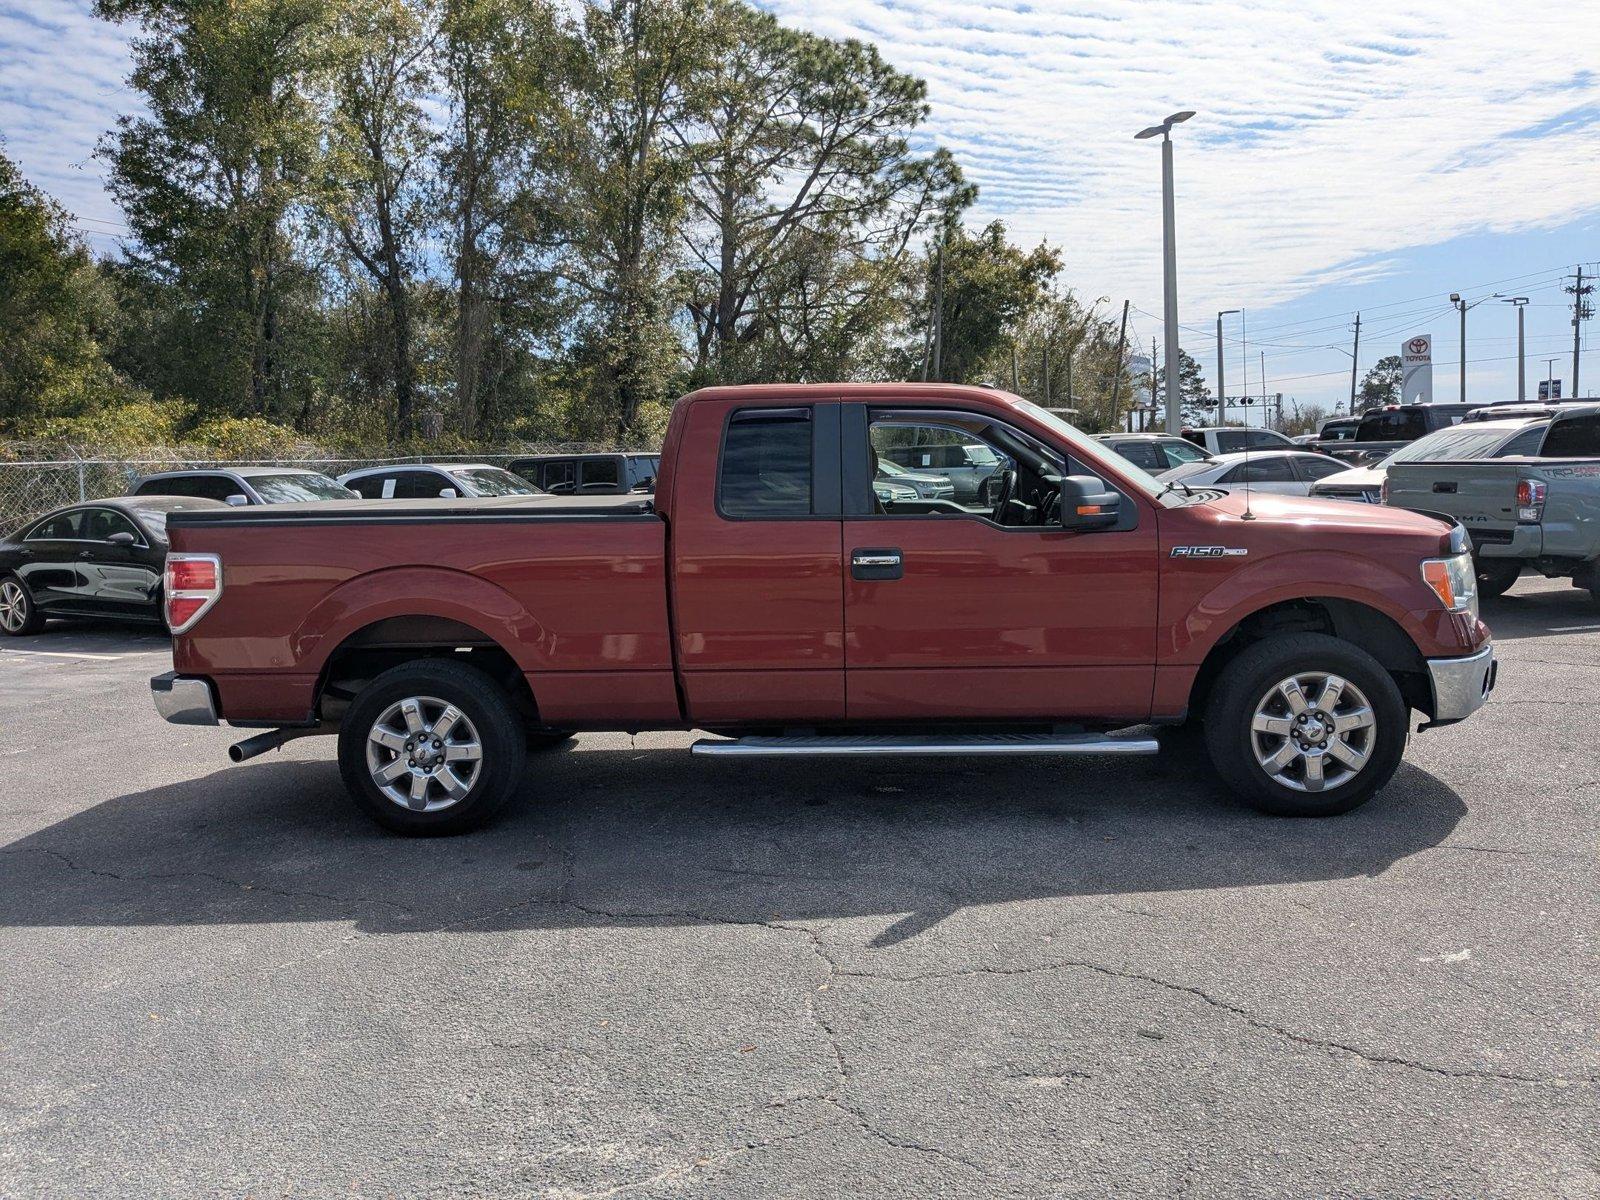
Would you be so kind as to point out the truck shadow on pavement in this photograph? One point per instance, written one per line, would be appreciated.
(652, 836)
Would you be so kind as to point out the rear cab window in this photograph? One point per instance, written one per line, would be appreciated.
(766, 471)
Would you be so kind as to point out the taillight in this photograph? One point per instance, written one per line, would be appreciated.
(1530, 500)
(194, 582)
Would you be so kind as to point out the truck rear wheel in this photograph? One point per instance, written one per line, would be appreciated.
(1305, 725)
(431, 747)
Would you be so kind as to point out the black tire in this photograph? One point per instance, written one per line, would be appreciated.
(1496, 575)
(1246, 681)
(490, 715)
(15, 592)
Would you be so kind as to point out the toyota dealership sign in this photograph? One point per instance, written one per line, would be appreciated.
(1416, 370)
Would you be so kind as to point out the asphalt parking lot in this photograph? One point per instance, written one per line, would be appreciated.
(661, 976)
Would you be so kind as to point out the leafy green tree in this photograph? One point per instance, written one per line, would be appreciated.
(54, 310)
(500, 67)
(986, 287)
(628, 67)
(376, 147)
(800, 162)
(209, 176)
(1193, 394)
(1381, 384)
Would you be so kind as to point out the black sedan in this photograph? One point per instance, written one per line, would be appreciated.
(104, 558)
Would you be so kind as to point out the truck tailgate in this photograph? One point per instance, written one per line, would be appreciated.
(1482, 495)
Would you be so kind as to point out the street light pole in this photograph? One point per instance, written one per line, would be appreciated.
(1169, 255)
(1222, 390)
(1520, 302)
(1463, 308)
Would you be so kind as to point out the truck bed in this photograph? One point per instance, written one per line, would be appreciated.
(573, 588)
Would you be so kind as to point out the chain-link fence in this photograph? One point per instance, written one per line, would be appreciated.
(30, 486)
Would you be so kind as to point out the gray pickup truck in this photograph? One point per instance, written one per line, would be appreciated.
(1541, 511)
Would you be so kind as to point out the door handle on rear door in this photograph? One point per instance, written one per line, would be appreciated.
(870, 564)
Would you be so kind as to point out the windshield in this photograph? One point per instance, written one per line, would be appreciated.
(492, 481)
(288, 489)
(1088, 449)
(1456, 444)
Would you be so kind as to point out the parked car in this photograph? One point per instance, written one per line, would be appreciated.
(1285, 472)
(1155, 452)
(415, 481)
(927, 487)
(969, 466)
(245, 485)
(1507, 412)
(890, 493)
(1225, 439)
(1540, 512)
(762, 595)
(100, 559)
(1468, 440)
(590, 474)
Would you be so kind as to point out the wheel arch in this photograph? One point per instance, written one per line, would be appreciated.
(1353, 621)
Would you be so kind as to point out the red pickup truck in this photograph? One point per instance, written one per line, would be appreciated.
(767, 594)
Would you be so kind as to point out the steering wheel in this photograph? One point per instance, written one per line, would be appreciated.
(1005, 492)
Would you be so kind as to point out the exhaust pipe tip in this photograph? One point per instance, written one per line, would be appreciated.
(272, 739)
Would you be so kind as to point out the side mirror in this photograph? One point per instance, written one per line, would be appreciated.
(122, 538)
(238, 500)
(448, 493)
(1087, 504)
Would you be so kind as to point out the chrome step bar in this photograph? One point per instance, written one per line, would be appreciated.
(825, 745)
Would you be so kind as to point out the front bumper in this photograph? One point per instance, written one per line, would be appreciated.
(184, 700)
(1461, 686)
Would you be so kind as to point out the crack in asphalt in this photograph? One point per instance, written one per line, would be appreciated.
(261, 888)
(1243, 1014)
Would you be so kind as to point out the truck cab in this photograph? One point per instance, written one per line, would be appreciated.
(768, 596)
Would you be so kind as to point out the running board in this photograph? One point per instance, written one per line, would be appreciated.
(807, 745)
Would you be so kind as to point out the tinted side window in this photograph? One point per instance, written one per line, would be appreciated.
(766, 464)
(559, 476)
(371, 487)
(1143, 454)
(1229, 440)
(100, 523)
(62, 526)
(1265, 470)
(1526, 442)
(167, 487)
(1265, 439)
(600, 471)
(1578, 437)
(1315, 469)
(419, 485)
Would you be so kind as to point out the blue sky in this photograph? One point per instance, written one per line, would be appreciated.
(1346, 154)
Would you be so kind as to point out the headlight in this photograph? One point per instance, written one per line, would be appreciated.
(1454, 580)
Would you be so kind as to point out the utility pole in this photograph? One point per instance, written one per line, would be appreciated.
(1116, 379)
(1582, 310)
(1355, 357)
(1222, 387)
(1046, 368)
(1016, 381)
(1264, 423)
(938, 320)
(1461, 305)
(1522, 346)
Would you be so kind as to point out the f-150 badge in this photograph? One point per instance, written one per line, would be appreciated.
(1209, 551)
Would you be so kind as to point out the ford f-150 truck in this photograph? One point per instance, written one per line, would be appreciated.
(1541, 510)
(765, 595)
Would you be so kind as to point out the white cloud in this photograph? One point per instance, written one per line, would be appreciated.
(61, 87)
(1330, 133)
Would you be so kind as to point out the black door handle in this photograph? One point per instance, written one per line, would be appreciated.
(871, 564)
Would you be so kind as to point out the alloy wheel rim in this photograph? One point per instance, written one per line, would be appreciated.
(424, 754)
(13, 606)
(1313, 732)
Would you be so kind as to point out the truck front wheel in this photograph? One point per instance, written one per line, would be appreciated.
(431, 747)
(1305, 725)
